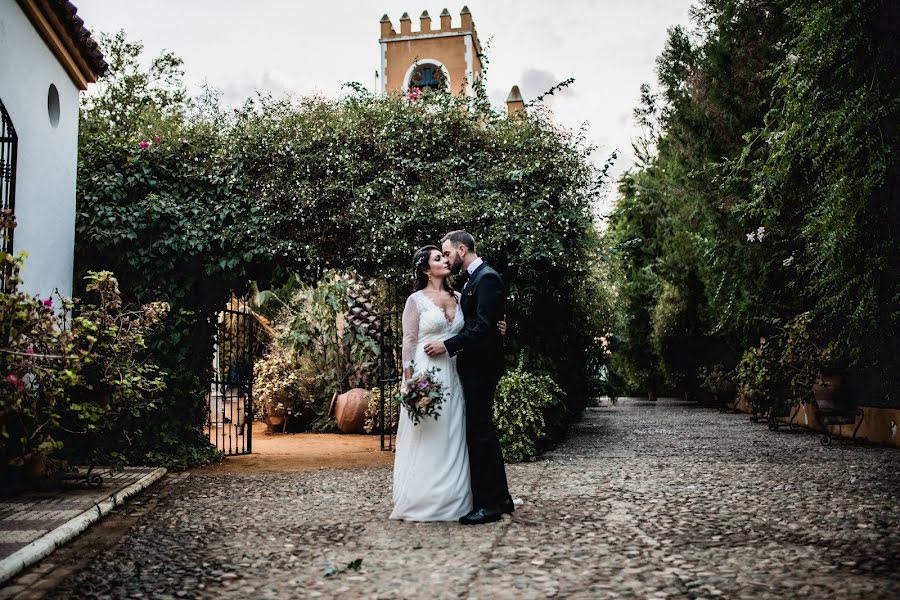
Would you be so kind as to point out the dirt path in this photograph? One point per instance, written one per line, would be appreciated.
(294, 452)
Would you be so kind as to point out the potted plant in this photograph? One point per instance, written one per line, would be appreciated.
(720, 383)
(276, 413)
(828, 386)
(760, 380)
(815, 364)
(285, 387)
(276, 387)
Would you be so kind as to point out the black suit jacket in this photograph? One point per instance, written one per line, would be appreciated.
(479, 345)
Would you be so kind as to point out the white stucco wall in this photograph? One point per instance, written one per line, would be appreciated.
(48, 156)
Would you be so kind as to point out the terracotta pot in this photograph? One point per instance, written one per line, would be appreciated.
(349, 410)
(827, 390)
(275, 423)
(35, 467)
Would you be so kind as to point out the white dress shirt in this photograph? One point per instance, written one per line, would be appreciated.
(471, 269)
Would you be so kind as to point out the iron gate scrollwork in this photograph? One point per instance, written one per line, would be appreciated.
(390, 371)
(230, 411)
(9, 143)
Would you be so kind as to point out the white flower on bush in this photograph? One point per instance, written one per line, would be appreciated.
(758, 235)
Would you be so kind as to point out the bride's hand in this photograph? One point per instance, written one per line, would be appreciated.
(501, 325)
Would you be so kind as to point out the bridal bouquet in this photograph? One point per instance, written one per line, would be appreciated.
(422, 395)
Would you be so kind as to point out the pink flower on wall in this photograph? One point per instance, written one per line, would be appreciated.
(413, 94)
(48, 302)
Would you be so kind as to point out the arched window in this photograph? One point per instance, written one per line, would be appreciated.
(9, 142)
(427, 74)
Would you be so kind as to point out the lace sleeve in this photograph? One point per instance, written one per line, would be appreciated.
(410, 331)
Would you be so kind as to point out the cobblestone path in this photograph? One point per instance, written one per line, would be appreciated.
(645, 500)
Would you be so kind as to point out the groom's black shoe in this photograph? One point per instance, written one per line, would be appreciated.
(507, 507)
(481, 516)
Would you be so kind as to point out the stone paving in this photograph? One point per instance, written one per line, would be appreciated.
(645, 500)
(28, 516)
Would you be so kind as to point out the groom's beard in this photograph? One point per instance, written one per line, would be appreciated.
(456, 267)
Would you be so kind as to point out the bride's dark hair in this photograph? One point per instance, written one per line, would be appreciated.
(420, 264)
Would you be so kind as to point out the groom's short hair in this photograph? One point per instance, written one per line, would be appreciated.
(460, 236)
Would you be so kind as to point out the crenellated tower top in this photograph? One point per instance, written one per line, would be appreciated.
(446, 56)
(446, 24)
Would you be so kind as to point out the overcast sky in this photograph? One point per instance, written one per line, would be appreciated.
(304, 47)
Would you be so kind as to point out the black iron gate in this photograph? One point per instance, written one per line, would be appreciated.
(9, 142)
(390, 371)
(230, 413)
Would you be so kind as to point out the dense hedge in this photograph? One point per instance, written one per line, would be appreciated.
(184, 201)
(765, 203)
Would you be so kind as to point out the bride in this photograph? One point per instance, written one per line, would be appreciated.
(431, 466)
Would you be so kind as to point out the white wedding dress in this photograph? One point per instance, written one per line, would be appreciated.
(431, 466)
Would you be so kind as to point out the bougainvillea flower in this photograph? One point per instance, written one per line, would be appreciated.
(15, 381)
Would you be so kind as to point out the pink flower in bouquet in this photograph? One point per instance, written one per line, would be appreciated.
(422, 396)
(144, 145)
(29, 350)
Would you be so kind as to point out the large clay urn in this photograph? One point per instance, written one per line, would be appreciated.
(349, 410)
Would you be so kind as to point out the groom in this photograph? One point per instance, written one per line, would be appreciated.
(479, 348)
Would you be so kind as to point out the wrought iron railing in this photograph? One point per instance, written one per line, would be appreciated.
(390, 371)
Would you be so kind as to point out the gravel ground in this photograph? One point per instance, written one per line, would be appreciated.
(644, 500)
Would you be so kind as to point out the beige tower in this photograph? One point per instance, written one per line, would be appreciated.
(448, 58)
